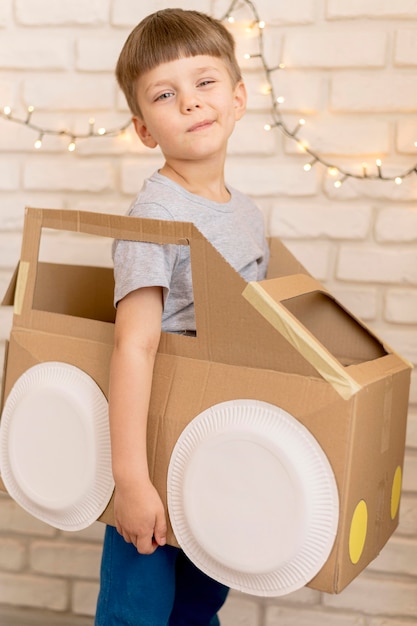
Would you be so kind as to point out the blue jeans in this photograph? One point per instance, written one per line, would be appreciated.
(160, 589)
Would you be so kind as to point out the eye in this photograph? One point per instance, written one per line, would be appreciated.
(206, 82)
(164, 96)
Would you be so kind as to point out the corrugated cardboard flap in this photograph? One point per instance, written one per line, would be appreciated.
(268, 298)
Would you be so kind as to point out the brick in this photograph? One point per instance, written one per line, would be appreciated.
(295, 617)
(368, 92)
(403, 341)
(405, 52)
(5, 12)
(343, 136)
(314, 256)
(65, 559)
(242, 139)
(304, 91)
(13, 208)
(362, 302)
(300, 12)
(269, 177)
(406, 135)
(130, 12)
(37, 617)
(304, 596)
(408, 515)
(6, 317)
(320, 220)
(410, 473)
(98, 54)
(401, 306)
(399, 556)
(33, 591)
(84, 597)
(412, 430)
(12, 554)
(377, 9)
(60, 247)
(9, 174)
(50, 12)
(68, 93)
(382, 621)
(387, 189)
(25, 52)
(93, 533)
(377, 264)
(68, 174)
(396, 225)
(376, 596)
(10, 245)
(240, 610)
(134, 172)
(323, 49)
(8, 90)
(15, 519)
(413, 387)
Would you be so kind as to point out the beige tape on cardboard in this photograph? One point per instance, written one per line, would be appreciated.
(302, 340)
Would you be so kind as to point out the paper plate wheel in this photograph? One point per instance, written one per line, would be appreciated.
(55, 454)
(252, 498)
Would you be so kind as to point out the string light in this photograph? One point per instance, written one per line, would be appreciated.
(268, 89)
(279, 122)
(8, 114)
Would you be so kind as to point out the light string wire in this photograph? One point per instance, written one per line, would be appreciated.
(278, 121)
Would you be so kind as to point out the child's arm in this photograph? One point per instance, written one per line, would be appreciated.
(138, 510)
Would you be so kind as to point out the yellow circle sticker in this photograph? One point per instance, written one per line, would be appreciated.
(396, 492)
(358, 530)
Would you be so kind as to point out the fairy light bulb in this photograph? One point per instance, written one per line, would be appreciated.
(261, 24)
(71, 146)
(268, 127)
(38, 142)
(101, 131)
(333, 171)
(7, 111)
(398, 180)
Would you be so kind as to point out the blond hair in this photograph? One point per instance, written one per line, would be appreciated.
(168, 35)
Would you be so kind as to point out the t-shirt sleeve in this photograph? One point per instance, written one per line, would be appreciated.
(138, 264)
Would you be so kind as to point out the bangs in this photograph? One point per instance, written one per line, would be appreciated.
(165, 42)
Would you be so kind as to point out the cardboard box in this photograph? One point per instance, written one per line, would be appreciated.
(284, 340)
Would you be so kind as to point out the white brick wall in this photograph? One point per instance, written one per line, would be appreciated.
(351, 72)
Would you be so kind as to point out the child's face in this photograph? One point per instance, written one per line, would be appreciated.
(189, 107)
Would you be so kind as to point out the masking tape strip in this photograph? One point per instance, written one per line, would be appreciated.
(22, 279)
(296, 334)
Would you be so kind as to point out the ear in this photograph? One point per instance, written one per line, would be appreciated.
(239, 98)
(143, 133)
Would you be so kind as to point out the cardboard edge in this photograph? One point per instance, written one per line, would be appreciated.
(8, 298)
(303, 341)
(3, 379)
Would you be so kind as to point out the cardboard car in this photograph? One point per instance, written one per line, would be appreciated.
(276, 435)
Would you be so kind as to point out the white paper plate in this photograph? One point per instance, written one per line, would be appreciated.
(55, 446)
(252, 498)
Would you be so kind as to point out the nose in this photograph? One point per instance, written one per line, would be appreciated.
(190, 102)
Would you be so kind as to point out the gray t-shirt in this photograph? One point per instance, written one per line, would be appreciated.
(234, 228)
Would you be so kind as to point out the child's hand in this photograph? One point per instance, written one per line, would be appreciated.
(140, 516)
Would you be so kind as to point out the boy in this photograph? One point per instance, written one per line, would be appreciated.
(183, 85)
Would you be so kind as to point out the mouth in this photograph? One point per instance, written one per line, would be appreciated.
(200, 126)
